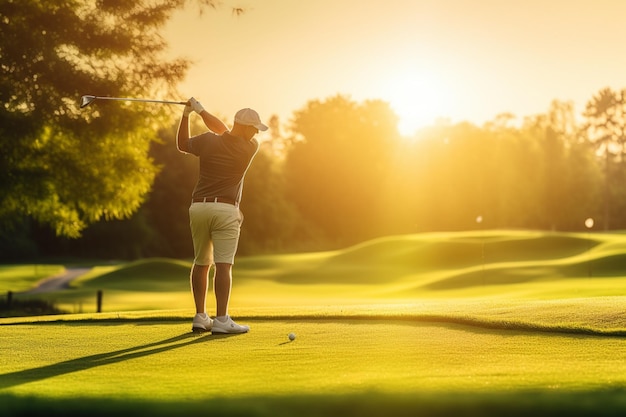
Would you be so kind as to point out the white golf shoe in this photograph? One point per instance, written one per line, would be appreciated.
(201, 323)
(228, 326)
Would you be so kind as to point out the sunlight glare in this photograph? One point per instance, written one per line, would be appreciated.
(418, 100)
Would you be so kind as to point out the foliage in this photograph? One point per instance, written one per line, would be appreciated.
(341, 175)
(270, 219)
(338, 173)
(605, 128)
(166, 210)
(60, 165)
(568, 169)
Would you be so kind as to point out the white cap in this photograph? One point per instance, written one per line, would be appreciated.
(249, 117)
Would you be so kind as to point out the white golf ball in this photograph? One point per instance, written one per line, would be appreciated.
(292, 336)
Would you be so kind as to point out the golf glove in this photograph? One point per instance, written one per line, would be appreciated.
(188, 109)
(195, 104)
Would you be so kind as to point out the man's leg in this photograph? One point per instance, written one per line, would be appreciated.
(223, 281)
(199, 286)
(223, 285)
(225, 239)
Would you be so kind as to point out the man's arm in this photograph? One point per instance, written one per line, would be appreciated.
(213, 123)
(182, 136)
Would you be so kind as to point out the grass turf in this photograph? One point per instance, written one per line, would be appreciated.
(334, 367)
(480, 323)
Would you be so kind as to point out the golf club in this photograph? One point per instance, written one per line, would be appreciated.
(87, 100)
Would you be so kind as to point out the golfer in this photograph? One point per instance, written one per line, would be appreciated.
(215, 218)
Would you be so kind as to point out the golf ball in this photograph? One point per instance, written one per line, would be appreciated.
(292, 336)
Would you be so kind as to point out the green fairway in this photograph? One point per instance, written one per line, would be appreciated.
(396, 269)
(328, 356)
(141, 359)
(499, 323)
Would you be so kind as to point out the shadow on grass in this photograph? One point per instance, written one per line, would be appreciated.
(25, 376)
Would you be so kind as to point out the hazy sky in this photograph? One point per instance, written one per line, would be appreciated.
(459, 59)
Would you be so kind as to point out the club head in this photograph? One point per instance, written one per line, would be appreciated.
(86, 100)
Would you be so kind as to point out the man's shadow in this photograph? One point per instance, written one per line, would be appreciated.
(12, 379)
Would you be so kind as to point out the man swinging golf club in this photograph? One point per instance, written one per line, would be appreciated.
(215, 218)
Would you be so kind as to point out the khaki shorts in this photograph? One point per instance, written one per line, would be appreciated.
(215, 231)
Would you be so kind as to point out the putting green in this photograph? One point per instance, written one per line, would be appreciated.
(155, 360)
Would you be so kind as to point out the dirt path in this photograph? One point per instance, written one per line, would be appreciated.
(58, 282)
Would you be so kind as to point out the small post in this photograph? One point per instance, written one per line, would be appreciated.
(479, 220)
(589, 225)
(99, 308)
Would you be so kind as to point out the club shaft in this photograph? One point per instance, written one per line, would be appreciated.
(144, 100)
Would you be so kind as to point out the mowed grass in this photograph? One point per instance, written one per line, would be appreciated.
(162, 361)
(483, 323)
(396, 269)
(366, 366)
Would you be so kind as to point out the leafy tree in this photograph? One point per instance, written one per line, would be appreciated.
(567, 169)
(549, 133)
(439, 178)
(166, 209)
(338, 173)
(60, 165)
(270, 219)
(461, 177)
(606, 128)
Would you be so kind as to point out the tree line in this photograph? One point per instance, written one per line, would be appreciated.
(107, 181)
(343, 174)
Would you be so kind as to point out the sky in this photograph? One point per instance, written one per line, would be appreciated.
(461, 60)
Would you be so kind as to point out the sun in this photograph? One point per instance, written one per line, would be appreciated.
(417, 100)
